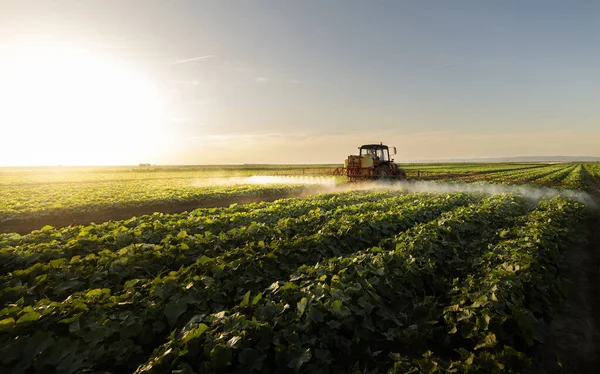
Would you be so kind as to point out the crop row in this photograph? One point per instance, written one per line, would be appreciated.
(38, 200)
(145, 251)
(465, 292)
(571, 176)
(558, 175)
(469, 167)
(498, 313)
(577, 177)
(344, 312)
(35, 194)
(113, 330)
(526, 174)
(22, 251)
(332, 283)
(594, 171)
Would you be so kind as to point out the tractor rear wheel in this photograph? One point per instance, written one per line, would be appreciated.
(383, 172)
(400, 173)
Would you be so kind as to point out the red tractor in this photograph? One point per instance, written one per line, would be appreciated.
(373, 162)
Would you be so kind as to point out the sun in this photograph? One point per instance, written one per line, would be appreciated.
(63, 105)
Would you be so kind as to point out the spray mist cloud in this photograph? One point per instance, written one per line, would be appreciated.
(324, 184)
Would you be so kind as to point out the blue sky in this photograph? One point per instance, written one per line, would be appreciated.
(441, 79)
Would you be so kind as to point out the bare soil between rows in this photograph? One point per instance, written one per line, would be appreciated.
(64, 219)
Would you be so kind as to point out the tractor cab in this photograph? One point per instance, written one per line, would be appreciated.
(377, 152)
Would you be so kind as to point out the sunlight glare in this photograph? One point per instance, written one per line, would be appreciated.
(64, 105)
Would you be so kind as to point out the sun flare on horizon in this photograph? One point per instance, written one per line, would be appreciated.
(64, 105)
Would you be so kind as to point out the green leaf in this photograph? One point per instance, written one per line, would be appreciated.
(397, 356)
(194, 333)
(69, 320)
(303, 357)
(28, 317)
(257, 298)
(37, 343)
(289, 286)
(302, 305)
(246, 300)
(220, 357)
(315, 315)
(7, 324)
(488, 342)
(74, 327)
(98, 292)
(480, 301)
(339, 309)
(233, 342)
(173, 311)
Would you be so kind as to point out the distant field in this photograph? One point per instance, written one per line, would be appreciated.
(27, 193)
(25, 175)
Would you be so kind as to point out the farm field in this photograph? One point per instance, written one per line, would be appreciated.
(593, 171)
(44, 192)
(336, 282)
(33, 175)
(34, 193)
(380, 279)
(303, 187)
(25, 201)
(564, 175)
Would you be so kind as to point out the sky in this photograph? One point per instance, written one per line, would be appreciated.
(234, 82)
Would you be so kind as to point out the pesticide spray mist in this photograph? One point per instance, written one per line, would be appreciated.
(318, 184)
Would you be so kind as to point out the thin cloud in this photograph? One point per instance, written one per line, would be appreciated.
(262, 79)
(192, 59)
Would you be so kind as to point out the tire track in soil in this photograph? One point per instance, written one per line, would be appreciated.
(572, 343)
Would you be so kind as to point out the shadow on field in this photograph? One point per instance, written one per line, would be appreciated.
(573, 341)
(572, 344)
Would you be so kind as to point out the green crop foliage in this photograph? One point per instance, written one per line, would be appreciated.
(341, 282)
(36, 193)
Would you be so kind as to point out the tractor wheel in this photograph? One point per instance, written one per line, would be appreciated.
(401, 173)
(383, 172)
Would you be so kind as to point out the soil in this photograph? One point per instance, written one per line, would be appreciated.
(24, 226)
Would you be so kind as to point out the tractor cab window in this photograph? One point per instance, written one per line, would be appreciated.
(382, 154)
(367, 152)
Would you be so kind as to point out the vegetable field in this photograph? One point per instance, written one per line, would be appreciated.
(333, 283)
(26, 201)
(27, 194)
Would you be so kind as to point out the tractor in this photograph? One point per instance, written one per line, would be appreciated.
(373, 162)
